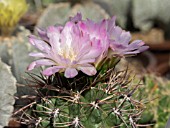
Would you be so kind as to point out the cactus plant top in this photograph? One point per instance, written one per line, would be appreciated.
(94, 96)
(81, 45)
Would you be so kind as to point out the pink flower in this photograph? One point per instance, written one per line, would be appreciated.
(120, 42)
(65, 49)
(110, 36)
(95, 30)
(76, 18)
(81, 45)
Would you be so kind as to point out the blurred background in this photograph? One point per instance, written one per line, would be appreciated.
(148, 20)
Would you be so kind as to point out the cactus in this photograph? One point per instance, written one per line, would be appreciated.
(162, 106)
(105, 101)
(157, 91)
(8, 89)
(80, 89)
(11, 11)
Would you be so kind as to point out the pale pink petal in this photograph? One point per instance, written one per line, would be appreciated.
(41, 62)
(67, 39)
(95, 50)
(70, 72)
(83, 26)
(86, 61)
(37, 54)
(125, 38)
(44, 62)
(76, 18)
(115, 46)
(88, 69)
(93, 53)
(78, 40)
(143, 48)
(31, 66)
(136, 44)
(96, 31)
(40, 44)
(83, 47)
(115, 33)
(67, 34)
(43, 34)
(52, 70)
(53, 34)
(120, 43)
(110, 24)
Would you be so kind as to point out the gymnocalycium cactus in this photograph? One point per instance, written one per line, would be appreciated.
(79, 88)
(61, 103)
(10, 12)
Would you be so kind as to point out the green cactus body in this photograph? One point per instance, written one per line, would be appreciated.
(157, 91)
(110, 103)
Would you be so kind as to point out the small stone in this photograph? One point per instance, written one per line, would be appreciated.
(8, 89)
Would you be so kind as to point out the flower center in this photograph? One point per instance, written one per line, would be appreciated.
(68, 53)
